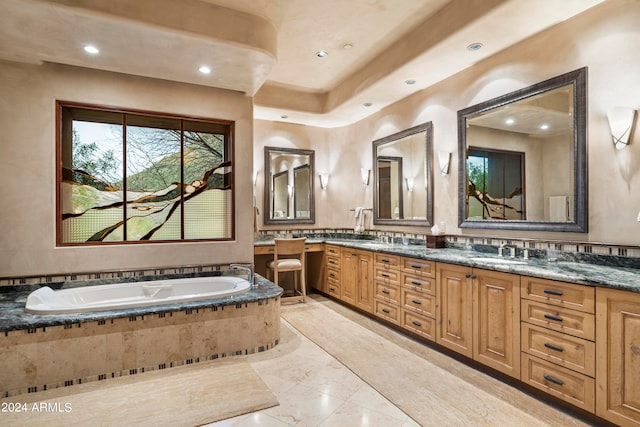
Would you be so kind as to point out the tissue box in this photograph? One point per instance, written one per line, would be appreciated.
(435, 242)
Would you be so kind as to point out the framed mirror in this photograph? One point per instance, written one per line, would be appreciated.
(523, 159)
(288, 191)
(402, 175)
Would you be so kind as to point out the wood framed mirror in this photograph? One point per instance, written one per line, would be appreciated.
(288, 191)
(403, 180)
(523, 158)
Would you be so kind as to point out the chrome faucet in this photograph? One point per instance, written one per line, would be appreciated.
(512, 250)
(249, 268)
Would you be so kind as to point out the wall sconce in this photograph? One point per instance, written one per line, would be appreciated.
(324, 180)
(621, 120)
(444, 158)
(290, 190)
(409, 184)
(365, 176)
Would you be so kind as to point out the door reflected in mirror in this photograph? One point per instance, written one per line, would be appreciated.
(403, 184)
(524, 164)
(289, 195)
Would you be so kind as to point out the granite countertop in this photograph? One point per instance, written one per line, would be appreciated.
(623, 278)
(13, 316)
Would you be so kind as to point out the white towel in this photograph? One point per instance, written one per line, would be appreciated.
(359, 216)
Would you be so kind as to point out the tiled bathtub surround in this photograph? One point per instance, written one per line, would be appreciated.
(43, 352)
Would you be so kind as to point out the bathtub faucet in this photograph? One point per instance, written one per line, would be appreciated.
(248, 267)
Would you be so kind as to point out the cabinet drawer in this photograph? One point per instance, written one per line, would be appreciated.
(421, 325)
(423, 303)
(565, 384)
(390, 261)
(387, 311)
(386, 275)
(419, 267)
(575, 297)
(419, 284)
(565, 350)
(263, 250)
(572, 322)
(333, 261)
(333, 275)
(387, 292)
(333, 286)
(313, 247)
(332, 250)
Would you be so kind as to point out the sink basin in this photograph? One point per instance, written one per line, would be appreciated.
(497, 260)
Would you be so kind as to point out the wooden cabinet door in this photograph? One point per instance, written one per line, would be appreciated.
(364, 287)
(496, 314)
(349, 276)
(618, 361)
(455, 308)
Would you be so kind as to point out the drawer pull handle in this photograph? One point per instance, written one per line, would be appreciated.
(414, 282)
(417, 266)
(332, 289)
(385, 311)
(467, 275)
(553, 379)
(552, 292)
(415, 301)
(385, 260)
(332, 275)
(386, 292)
(416, 323)
(553, 347)
(384, 274)
(552, 317)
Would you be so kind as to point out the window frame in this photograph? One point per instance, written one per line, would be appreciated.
(230, 157)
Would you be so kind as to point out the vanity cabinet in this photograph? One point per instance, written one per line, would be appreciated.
(356, 278)
(418, 297)
(558, 339)
(478, 315)
(618, 363)
(332, 262)
(386, 279)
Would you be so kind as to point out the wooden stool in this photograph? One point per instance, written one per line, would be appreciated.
(289, 256)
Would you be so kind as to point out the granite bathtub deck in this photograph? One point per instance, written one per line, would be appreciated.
(13, 317)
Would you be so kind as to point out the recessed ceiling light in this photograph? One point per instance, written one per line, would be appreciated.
(204, 69)
(544, 126)
(474, 46)
(410, 82)
(509, 121)
(91, 49)
(322, 54)
(367, 104)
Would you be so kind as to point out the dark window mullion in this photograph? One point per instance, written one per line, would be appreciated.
(124, 177)
(182, 180)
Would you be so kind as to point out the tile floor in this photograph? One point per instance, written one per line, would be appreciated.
(316, 389)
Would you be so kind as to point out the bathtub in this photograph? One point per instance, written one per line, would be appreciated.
(136, 294)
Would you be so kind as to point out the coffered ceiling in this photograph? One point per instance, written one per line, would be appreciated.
(267, 48)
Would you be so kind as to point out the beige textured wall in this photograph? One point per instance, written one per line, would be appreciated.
(27, 153)
(604, 39)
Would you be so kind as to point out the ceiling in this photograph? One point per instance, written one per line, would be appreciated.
(267, 48)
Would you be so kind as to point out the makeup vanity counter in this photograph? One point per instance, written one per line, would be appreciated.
(568, 329)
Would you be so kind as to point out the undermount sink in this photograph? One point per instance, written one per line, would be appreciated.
(497, 260)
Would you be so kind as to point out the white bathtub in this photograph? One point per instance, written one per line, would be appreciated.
(137, 294)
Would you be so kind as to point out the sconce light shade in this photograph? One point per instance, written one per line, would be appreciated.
(444, 158)
(324, 180)
(621, 121)
(409, 184)
(365, 175)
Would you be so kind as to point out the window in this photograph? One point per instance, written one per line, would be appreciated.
(128, 176)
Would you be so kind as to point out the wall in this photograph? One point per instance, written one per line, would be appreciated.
(604, 39)
(27, 150)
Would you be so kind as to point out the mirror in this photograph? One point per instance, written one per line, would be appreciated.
(288, 191)
(403, 182)
(523, 158)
